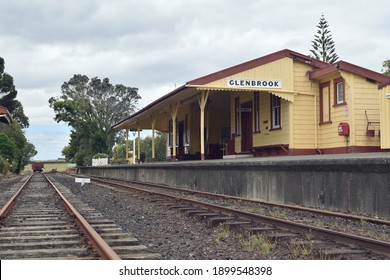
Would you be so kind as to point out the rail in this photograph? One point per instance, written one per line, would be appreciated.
(97, 242)
(7, 207)
(369, 243)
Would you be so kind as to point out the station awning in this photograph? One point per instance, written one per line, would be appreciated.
(286, 95)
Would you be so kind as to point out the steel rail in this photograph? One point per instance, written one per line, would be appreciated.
(97, 242)
(382, 247)
(7, 207)
(266, 203)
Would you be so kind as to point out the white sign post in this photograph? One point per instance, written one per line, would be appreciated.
(83, 180)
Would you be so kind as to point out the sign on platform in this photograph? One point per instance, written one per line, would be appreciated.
(82, 180)
(99, 161)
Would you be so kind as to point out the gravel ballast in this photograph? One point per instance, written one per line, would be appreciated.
(174, 235)
(165, 231)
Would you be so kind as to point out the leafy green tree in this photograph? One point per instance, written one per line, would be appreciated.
(160, 142)
(24, 150)
(386, 67)
(323, 44)
(91, 107)
(119, 151)
(8, 94)
(7, 147)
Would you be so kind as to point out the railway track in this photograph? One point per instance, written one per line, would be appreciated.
(39, 222)
(219, 210)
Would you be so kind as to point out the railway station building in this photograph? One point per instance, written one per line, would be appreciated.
(284, 103)
(5, 116)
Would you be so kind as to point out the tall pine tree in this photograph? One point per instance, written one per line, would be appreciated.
(323, 44)
(386, 67)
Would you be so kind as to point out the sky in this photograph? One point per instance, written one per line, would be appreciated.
(158, 45)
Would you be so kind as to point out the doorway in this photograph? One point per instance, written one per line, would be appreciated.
(180, 150)
(246, 127)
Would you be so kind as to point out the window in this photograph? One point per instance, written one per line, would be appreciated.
(257, 111)
(325, 103)
(339, 92)
(237, 115)
(275, 112)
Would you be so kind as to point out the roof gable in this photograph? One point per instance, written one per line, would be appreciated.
(255, 63)
(349, 67)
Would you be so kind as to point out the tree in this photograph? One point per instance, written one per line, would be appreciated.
(8, 94)
(7, 148)
(323, 44)
(24, 150)
(160, 142)
(386, 69)
(91, 107)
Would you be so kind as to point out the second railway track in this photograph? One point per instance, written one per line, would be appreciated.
(217, 211)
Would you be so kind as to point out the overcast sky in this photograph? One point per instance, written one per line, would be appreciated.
(155, 45)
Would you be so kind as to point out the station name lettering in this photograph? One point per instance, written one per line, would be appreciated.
(254, 83)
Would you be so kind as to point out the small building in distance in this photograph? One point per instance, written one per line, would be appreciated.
(284, 103)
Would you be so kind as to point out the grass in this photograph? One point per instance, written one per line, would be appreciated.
(298, 250)
(277, 213)
(251, 242)
(221, 234)
(256, 243)
(259, 243)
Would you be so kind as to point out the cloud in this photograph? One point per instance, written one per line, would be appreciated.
(156, 45)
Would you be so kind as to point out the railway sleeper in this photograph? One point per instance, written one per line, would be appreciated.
(43, 244)
(239, 224)
(29, 238)
(217, 220)
(140, 256)
(259, 229)
(65, 253)
(343, 251)
(276, 236)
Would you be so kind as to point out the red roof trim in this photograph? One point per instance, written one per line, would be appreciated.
(255, 63)
(384, 84)
(151, 105)
(346, 66)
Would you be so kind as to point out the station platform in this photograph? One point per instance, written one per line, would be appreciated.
(356, 183)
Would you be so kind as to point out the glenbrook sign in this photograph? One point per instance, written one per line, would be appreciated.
(254, 83)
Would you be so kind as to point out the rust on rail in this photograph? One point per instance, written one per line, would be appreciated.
(98, 243)
(7, 207)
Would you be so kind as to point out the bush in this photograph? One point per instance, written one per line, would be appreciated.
(100, 155)
(7, 147)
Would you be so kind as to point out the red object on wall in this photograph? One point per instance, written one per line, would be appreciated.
(343, 129)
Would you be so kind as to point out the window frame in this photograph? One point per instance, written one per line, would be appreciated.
(321, 96)
(336, 84)
(276, 109)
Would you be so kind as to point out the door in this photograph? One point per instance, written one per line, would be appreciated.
(180, 152)
(246, 127)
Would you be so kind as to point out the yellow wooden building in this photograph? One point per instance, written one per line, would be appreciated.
(285, 103)
(385, 114)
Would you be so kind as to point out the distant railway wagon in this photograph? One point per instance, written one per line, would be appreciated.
(284, 103)
(37, 166)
